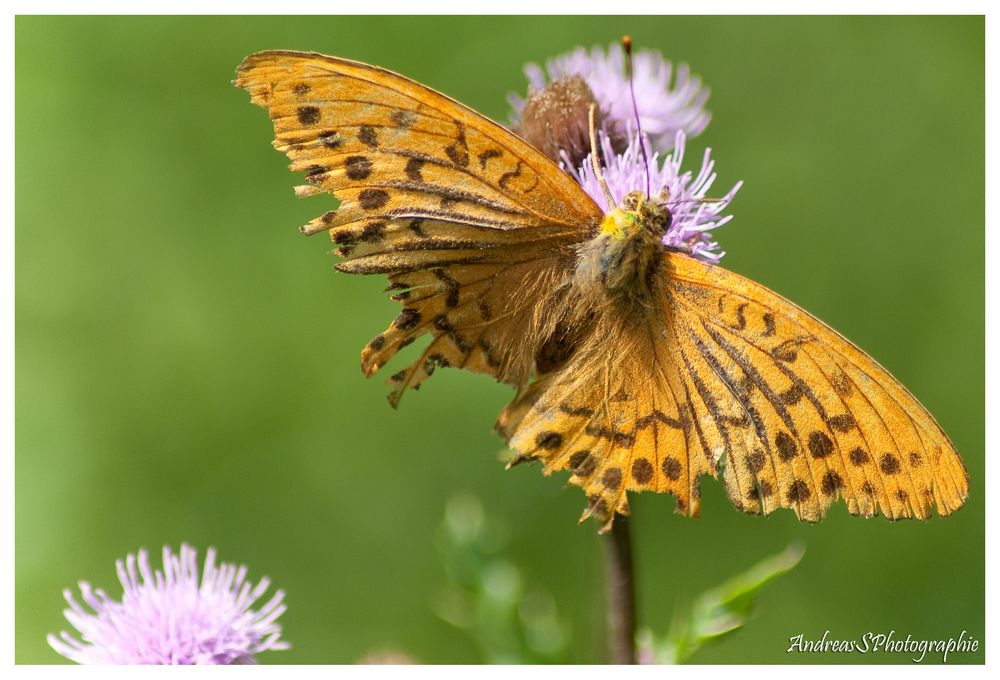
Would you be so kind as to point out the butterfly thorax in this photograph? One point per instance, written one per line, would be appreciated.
(622, 256)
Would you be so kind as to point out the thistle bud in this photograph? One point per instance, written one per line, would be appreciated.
(555, 119)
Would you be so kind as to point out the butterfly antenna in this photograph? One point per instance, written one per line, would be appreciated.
(629, 71)
(596, 163)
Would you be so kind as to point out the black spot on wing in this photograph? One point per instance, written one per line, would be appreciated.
(308, 115)
(458, 151)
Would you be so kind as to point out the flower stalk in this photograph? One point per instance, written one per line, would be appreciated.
(620, 583)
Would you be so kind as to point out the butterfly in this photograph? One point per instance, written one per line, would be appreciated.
(636, 367)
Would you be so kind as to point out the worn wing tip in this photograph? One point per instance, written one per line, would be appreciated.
(394, 397)
(322, 223)
(597, 507)
(248, 63)
(689, 510)
(257, 58)
(310, 229)
(251, 81)
(245, 67)
(520, 458)
(307, 190)
(369, 365)
(274, 58)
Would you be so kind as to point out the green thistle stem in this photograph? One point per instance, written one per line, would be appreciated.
(620, 579)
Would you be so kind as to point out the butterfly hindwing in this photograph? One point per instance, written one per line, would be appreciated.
(723, 377)
(482, 312)
(615, 415)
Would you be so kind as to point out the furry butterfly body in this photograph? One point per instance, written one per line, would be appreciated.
(636, 367)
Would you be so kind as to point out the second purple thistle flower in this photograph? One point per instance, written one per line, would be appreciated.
(670, 109)
(553, 115)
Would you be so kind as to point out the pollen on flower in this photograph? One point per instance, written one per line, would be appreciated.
(169, 617)
(668, 101)
(693, 219)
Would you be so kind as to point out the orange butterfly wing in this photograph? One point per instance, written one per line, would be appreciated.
(474, 227)
(825, 420)
(723, 377)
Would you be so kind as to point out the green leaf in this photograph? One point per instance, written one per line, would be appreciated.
(721, 610)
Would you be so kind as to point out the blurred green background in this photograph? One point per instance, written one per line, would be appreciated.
(187, 362)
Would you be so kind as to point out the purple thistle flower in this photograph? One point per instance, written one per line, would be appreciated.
(168, 617)
(693, 219)
(664, 109)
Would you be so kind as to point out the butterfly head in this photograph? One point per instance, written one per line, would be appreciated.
(622, 253)
(638, 215)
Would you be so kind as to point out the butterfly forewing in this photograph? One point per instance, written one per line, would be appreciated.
(473, 226)
(389, 147)
(805, 416)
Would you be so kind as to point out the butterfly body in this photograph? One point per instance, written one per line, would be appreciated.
(623, 254)
(636, 367)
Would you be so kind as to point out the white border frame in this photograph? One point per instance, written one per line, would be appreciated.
(620, 7)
